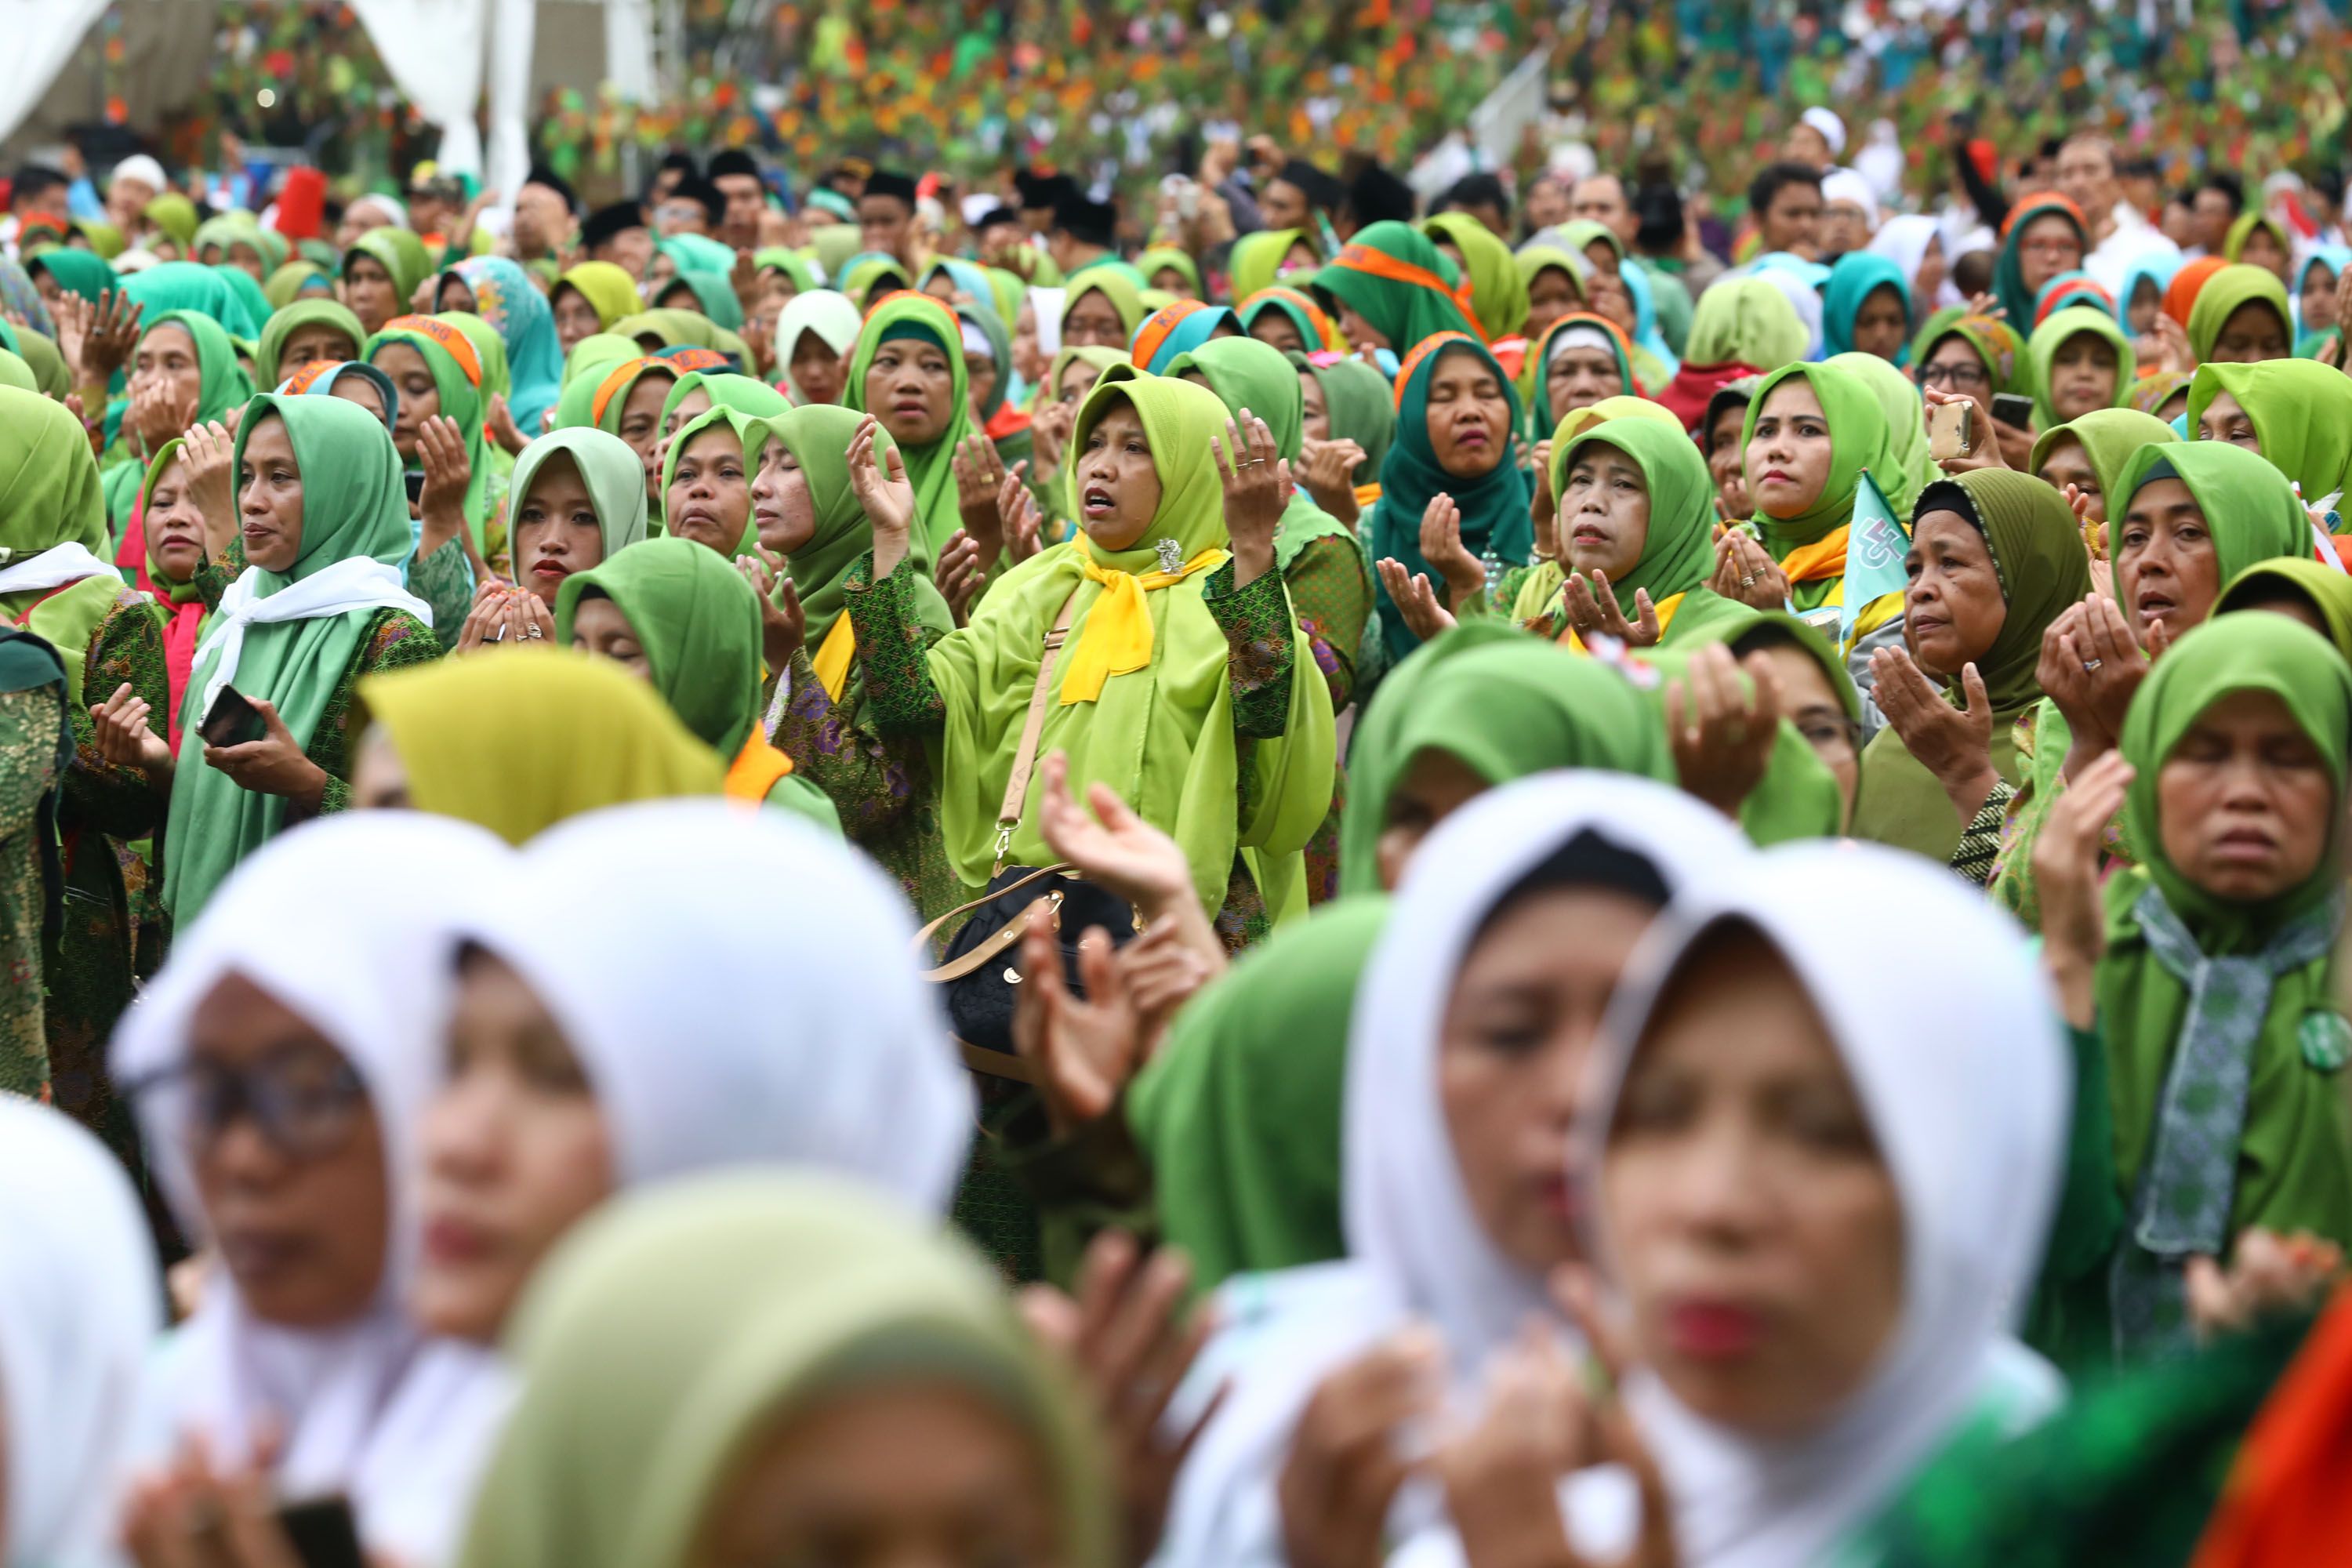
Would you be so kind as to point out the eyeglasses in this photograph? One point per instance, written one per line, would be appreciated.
(1957, 378)
(306, 1101)
(2059, 247)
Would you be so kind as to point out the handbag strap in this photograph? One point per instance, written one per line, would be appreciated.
(923, 937)
(1024, 757)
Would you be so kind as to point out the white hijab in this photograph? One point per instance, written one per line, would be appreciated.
(79, 1307)
(828, 314)
(1416, 1249)
(1955, 1056)
(748, 994)
(342, 921)
(1904, 240)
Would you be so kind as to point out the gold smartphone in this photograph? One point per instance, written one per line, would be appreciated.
(1951, 430)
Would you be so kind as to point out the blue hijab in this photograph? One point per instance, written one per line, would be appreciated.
(322, 384)
(505, 297)
(2157, 267)
(1858, 275)
(1645, 317)
(1190, 333)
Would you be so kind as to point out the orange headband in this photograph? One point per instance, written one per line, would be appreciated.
(454, 342)
(302, 380)
(1436, 343)
(619, 376)
(1380, 264)
(1315, 314)
(1154, 333)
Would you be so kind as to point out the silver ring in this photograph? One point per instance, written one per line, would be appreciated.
(1749, 580)
(534, 633)
(2091, 664)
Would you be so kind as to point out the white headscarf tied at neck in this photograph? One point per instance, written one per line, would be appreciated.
(761, 1006)
(78, 1309)
(340, 921)
(1416, 1249)
(1968, 1100)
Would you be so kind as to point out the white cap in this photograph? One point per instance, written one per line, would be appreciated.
(139, 166)
(1831, 128)
(1845, 185)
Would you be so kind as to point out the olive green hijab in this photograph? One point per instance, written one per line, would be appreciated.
(2038, 556)
(303, 313)
(2325, 589)
(1247, 373)
(2108, 437)
(1498, 295)
(676, 1329)
(929, 468)
(1858, 435)
(2208, 1100)
(1746, 321)
(699, 622)
(1505, 706)
(1357, 401)
(402, 255)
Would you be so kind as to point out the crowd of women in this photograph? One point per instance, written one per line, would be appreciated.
(1399, 890)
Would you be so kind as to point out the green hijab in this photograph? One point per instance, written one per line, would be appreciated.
(2248, 506)
(1503, 704)
(51, 495)
(1238, 1115)
(2009, 267)
(1904, 466)
(929, 468)
(303, 313)
(741, 423)
(463, 396)
(224, 383)
(2242, 229)
(2109, 437)
(1356, 401)
(1497, 520)
(78, 272)
(296, 280)
(2041, 567)
(1255, 260)
(735, 1304)
(1797, 797)
(353, 508)
(49, 366)
(175, 215)
(742, 394)
(1678, 550)
(1162, 734)
(980, 314)
(1534, 259)
(674, 328)
(529, 737)
(2224, 293)
(714, 296)
(2056, 330)
(14, 373)
(615, 477)
(869, 281)
(1534, 384)
(1746, 321)
(1858, 437)
(242, 284)
(1158, 257)
(2324, 588)
(795, 267)
(593, 358)
(1247, 373)
(2283, 1154)
(607, 287)
(2302, 412)
(400, 253)
(628, 373)
(490, 350)
(1498, 295)
(1113, 284)
(817, 434)
(699, 622)
(1404, 312)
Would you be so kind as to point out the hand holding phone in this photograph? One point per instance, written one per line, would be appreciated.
(1951, 430)
(231, 720)
(2013, 409)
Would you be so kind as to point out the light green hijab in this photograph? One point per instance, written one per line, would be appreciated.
(353, 506)
(1746, 320)
(2222, 297)
(49, 366)
(2109, 437)
(302, 314)
(614, 479)
(675, 1328)
(1858, 435)
(222, 383)
(930, 468)
(1255, 260)
(1678, 549)
(1247, 373)
(14, 373)
(2043, 568)
(1125, 297)
(2324, 588)
(2302, 412)
(1238, 1114)
(1904, 466)
(2287, 1164)
(2248, 506)
(592, 359)
(1357, 401)
(402, 255)
(464, 395)
(1162, 734)
(718, 416)
(1498, 295)
(1503, 704)
(742, 394)
(699, 622)
(2055, 331)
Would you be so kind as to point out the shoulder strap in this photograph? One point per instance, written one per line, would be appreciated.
(1024, 757)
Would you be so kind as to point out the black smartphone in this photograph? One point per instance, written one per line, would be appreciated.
(322, 1533)
(415, 479)
(2013, 409)
(231, 720)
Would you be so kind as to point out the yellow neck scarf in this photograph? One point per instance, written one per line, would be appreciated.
(834, 654)
(1118, 635)
(1824, 557)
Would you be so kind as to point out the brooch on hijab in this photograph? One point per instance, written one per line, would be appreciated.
(2326, 1040)
(1171, 557)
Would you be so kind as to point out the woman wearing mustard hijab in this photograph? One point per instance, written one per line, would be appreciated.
(1184, 673)
(2241, 316)
(880, 781)
(2229, 510)
(591, 297)
(908, 373)
(1323, 567)
(1636, 526)
(780, 1320)
(318, 606)
(2208, 976)
(2297, 413)
(54, 584)
(1995, 558)
(518, 741)
(686, 620)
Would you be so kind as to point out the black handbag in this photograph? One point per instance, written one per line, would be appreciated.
(980, 968)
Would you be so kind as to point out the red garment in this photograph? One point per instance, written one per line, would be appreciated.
(301, 203)
(180, 621)
(1006, 421)
(2289, 1497)
(1694, 386)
